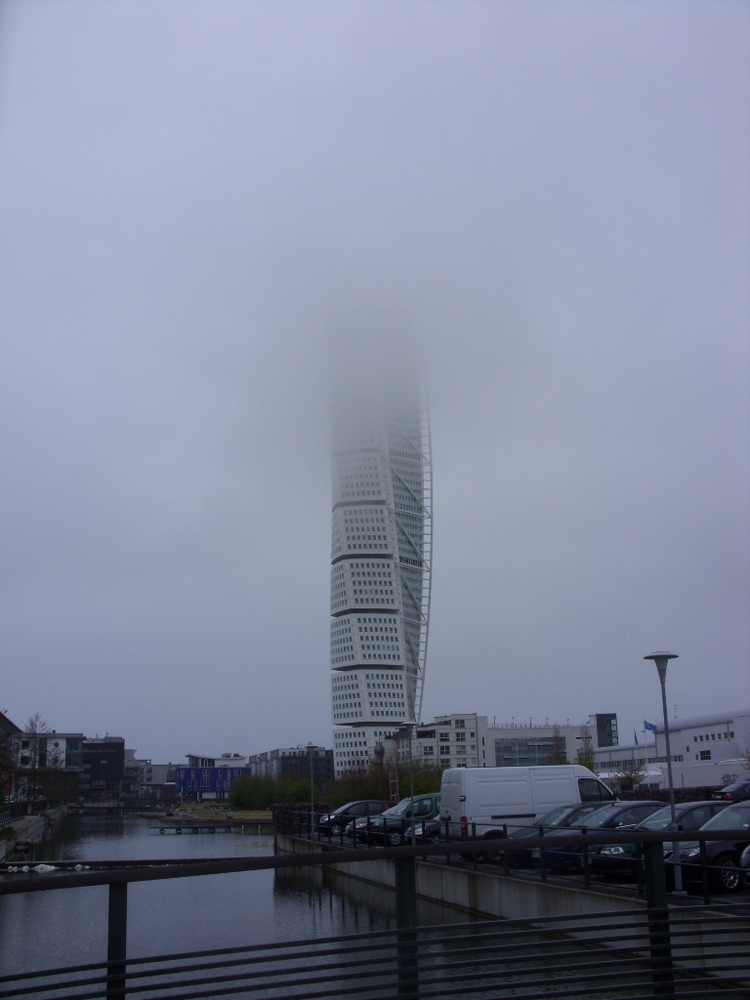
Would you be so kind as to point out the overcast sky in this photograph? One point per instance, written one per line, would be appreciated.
(553, 198)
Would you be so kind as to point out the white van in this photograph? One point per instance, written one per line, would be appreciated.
(492, 797)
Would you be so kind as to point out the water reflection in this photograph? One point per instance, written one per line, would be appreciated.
(360, 906)
(68, 926)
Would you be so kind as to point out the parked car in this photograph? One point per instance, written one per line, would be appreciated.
(737, 791)
(342, 816)
(620, 859)
(723, 856)
(560, 818)
(391, 826)
(617, 816)
(425, 831)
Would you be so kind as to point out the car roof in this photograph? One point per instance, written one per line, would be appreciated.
(613, 808)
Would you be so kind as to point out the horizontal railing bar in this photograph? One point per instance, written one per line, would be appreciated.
(175, 868)
(484, 986)
(486, 930)
(276, 982)
(450, 966)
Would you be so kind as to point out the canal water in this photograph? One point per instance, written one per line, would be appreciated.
(69, 926)
(48, 930)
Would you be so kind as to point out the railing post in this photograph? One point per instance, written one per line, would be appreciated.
(117, 931)
(704, 872)
(585, 858)
(658, 921)
(474, 837)
(639, 867)
(542, 857)
(506, 852)
(447, 839)
(406, 923)
(369, 832)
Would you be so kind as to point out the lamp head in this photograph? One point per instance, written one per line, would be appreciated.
(661, 659)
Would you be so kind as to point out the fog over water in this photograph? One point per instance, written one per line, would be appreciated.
(550, 200)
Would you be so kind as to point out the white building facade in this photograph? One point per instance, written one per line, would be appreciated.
(458, 740)
(707, 751)
(381, 548)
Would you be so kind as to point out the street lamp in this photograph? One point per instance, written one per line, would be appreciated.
(661, 659)
(407, 732)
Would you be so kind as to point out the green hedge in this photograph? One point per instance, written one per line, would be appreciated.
(369, 783)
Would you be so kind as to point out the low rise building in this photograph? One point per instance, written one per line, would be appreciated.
(464, 739)
(147, 780)
(294, 762)
(552, 743)
(450, 741)
(103, 767)
(707, 751)
(209, 778)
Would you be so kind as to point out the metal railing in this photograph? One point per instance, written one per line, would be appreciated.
(650, 951)
(567, 851)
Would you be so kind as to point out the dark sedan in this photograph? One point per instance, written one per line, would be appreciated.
(738, 791)
(617, 816)
(341, 817)
(620, 859)
(560, 818)
(723, 856)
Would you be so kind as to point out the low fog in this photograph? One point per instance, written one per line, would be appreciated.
(550, 201)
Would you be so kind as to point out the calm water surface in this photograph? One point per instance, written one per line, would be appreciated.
(69, 926)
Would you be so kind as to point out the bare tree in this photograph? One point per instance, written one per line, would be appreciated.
(630, 774)
(585, 752)
(8, 761)
(559, 754)
(32, 757)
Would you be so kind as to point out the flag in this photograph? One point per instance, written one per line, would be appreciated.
(635, 737)
(649, 727)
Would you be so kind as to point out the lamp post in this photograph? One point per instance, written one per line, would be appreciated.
(403, 733)
(312, 795)
(661, 659)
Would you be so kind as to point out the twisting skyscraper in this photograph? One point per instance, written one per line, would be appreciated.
(381, 551)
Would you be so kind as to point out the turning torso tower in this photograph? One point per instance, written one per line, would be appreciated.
(381, 550)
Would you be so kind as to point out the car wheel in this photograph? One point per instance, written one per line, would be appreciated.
(395, 839)
(335, 831)
(728, 875)
(493, 853)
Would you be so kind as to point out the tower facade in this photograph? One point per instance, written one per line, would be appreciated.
(381, 555)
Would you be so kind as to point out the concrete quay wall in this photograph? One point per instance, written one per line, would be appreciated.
(27, 832)
(490, 895)
(482, 893)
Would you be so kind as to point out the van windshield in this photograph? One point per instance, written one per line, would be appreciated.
(592, 790)
(400, 809)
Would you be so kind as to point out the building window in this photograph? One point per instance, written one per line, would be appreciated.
(705, 755)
